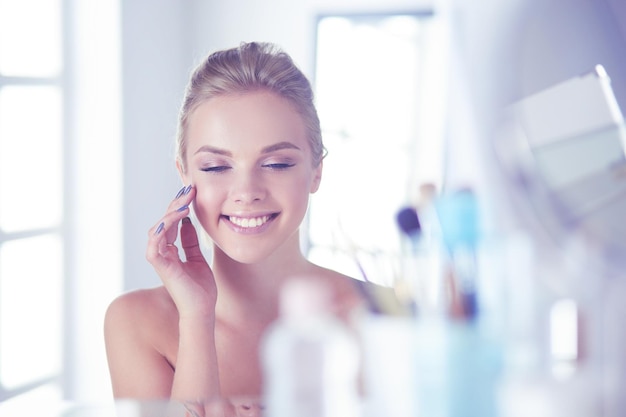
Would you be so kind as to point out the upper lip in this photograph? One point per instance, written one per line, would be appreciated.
(251, 215)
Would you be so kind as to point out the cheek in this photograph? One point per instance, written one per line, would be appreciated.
(298, 192)
(205, 207)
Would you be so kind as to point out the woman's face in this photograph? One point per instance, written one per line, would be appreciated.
(250, 161)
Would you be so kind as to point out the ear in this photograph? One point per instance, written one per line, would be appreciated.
(181, 172)
(317, 178)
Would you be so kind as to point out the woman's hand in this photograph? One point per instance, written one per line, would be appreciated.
(190, 283)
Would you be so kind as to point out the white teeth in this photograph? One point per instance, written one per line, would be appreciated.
(249, 222)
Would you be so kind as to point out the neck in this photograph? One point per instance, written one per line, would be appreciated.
(252, 290)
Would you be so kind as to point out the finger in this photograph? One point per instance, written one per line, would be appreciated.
(178, 208)
(184, 197)
(189, 241)
(159, 252)
(164, 233)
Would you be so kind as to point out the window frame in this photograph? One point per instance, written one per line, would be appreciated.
(60, 230)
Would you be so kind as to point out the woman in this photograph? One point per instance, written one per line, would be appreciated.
(249, 150)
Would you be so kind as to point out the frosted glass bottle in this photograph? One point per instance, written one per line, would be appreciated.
(310, 358)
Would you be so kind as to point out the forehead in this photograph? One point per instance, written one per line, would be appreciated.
(253, 119)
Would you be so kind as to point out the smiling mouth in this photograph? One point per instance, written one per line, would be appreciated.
(251, 222)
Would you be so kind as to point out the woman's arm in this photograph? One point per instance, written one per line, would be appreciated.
(196, 378)
(137, 368)
(194, 293)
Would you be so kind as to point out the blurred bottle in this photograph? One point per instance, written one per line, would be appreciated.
(310, 358)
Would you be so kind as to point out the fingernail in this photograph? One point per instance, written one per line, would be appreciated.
(187, 189)
(183, 208)
(181, 192)
(159, 229)
(186, 220)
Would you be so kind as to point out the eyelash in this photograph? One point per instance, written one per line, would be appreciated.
(279, 166)
(216, 169)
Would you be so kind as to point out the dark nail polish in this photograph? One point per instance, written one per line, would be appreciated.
(159, 229)
(188, 189)
(183, 208)
(181, 192)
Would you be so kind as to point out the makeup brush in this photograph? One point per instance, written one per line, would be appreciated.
(409, 223)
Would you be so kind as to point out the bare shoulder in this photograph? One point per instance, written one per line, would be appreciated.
(347, 291)
(137, 303)
(142, 313)
(351, 293)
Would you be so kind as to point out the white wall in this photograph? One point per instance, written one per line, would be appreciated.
(560, 39)
(155, 63)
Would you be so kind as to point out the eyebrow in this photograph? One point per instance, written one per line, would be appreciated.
(212, 149)
(278, 146)
(268, 149)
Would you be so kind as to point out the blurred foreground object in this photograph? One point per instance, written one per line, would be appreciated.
(564, 147)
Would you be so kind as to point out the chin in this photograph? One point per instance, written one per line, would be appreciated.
(247, 255)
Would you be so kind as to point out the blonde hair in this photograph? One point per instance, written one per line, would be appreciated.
(250, 67)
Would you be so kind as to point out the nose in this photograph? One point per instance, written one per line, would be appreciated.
(248, 188)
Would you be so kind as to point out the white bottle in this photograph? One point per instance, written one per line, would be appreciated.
(310, 358)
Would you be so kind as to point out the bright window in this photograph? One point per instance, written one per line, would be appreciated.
(30, 157)
(60, 197)
(31, 278)
(30, 38)
(32, 240)
(370, 86)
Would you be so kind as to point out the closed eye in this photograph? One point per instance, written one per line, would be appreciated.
(216, 169)
(278, 166)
